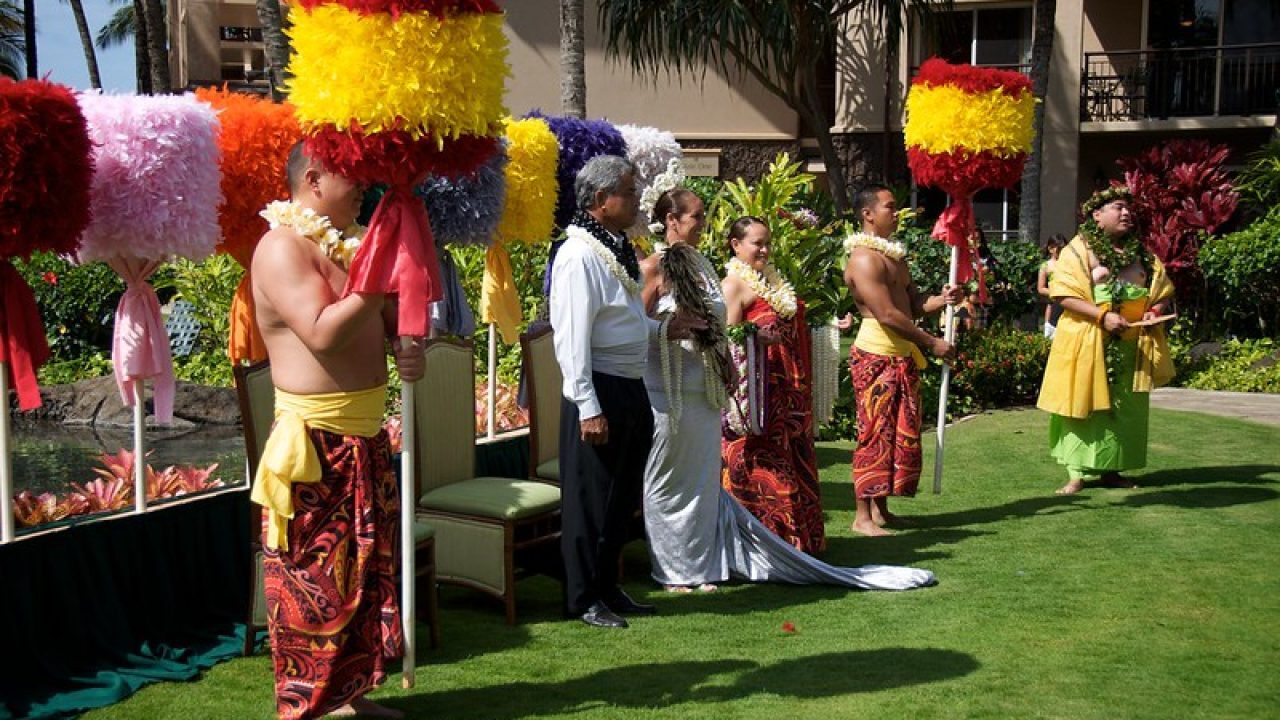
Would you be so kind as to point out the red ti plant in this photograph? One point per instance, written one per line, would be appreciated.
(1181, 195)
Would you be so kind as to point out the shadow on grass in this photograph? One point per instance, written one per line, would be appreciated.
(829, 456)
(1024, 508)
(1203, 498)
(1239, 474)
(903, 548)
(656, 685)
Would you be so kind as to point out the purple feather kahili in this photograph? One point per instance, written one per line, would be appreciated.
(156, 185)
(579, 140)
(466, 210)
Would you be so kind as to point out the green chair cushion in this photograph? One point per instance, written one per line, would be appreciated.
(493, 497)
(549, 470)
(422, 530)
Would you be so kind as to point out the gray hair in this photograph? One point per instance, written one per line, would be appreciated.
(601, 173)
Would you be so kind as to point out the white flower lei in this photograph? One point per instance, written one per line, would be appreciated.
(826, 367)
(892, 249)
(338, 247)
(672, 377)
(768, 285)
(606, 255)
(666, 180)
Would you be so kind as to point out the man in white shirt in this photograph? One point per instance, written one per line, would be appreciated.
(606, 426)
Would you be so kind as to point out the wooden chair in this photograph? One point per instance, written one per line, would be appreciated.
(485, 526)
(542, 384)
(256, 396)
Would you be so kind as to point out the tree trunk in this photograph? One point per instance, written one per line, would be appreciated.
(29, 34)
(157, 47)
(573, 73)
(141, 57)
(277, 45)
(1041, 53)
(886, 136)
(86, 41)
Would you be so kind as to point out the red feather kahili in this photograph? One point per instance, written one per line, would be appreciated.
(394, 157)
(46, 167)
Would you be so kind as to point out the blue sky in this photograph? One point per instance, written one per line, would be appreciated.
(61, 56)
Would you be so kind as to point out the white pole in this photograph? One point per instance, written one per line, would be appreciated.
(6, 469)
(139, 447)
(949, 333)
(408, 504)
(492, 414)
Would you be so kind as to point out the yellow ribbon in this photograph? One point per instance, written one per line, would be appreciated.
(289, 456)
(499, 299)
(880, 340)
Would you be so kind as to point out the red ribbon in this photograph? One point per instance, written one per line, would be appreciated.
(398, 257)
(23, 346)
(955, 226)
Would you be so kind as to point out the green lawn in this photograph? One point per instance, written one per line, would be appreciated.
(1162, 602)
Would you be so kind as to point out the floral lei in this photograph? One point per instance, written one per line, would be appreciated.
(338, 247)
(889, 248)
(768, 285)
(606, 255)
(1114, 259)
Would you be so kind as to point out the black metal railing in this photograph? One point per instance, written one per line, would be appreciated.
(1181, 82)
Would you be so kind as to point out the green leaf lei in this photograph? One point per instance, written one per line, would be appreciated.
(738, 333)
(1115, 259)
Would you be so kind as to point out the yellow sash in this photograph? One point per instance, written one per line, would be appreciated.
(876, 338)
(289, 457)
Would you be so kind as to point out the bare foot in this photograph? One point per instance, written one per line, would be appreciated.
(679, 589)
(363, 707)
(870, 529)
(708, 587)
(892, 520)
(1071, 488)
(1116, 480)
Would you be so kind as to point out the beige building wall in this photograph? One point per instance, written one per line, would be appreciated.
(1060, 148)
(694, 106)
(196, 50)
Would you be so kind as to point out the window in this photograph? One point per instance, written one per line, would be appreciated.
(999, 36)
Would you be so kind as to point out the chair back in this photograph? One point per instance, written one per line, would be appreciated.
(445, 412)
(543, 384)
(257, 398)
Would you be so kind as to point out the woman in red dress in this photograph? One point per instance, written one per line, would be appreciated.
(771, 468)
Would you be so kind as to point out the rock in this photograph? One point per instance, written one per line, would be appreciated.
(97, 402)
(1203, 350)
(1266, 361)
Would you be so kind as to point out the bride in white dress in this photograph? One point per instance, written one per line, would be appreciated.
(698, 534)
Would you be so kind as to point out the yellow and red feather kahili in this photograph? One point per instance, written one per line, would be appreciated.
(390, 91)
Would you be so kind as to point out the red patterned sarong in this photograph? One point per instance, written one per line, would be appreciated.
(332, 609)
(774, 475)
(887, 395)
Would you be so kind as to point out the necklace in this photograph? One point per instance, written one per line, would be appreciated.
(1114, 258)
(338, 247)
(606, 255)
(889, 248)
(768, 285)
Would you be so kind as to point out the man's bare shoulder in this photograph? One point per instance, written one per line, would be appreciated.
(282, 248)
(868, 265)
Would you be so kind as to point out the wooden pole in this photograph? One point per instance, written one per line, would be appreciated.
(6, 469)
(139, 447)
(491, 416)
(408, 504)
(949, 333)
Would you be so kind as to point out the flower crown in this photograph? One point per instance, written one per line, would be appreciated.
(1106, 197)
(669, 179)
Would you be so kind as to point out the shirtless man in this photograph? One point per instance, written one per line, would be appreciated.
(325, 477)
(885, 362)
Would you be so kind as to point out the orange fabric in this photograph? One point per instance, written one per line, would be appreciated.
(244, 341)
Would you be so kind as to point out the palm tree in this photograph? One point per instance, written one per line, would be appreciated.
(157, 45)
(573, 74)
(86, 42)
(12, 43)
(1041, 51)
(276, 42)
(123, 26)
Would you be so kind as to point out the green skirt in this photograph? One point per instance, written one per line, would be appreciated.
(1110, 440)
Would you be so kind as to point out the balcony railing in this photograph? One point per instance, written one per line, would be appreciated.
(1181, 82)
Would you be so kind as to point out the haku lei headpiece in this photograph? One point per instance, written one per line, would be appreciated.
(667, 180)
(768, 285)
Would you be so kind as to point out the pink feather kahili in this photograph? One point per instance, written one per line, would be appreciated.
(156, 184)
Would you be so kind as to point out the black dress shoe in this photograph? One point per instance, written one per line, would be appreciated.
(599, 615)
(622, 603)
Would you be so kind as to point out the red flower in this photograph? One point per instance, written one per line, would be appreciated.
(50, 277)
(788, 627)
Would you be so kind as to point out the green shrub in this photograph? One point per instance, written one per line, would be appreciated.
(1242, 366)
(1241, 271)
(209, 285)
(77, 303)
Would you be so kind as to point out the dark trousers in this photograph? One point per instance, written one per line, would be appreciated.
(601, 488)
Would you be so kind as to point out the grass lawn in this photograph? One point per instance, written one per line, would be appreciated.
(1161, 602)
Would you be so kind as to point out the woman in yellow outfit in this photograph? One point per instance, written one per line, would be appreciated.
(1105, 361)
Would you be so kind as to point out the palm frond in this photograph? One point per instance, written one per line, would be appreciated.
(118, 30)
(13, 43)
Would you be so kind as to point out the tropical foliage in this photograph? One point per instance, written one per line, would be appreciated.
(1259, 181)
(13, 43)
(1241, 270)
